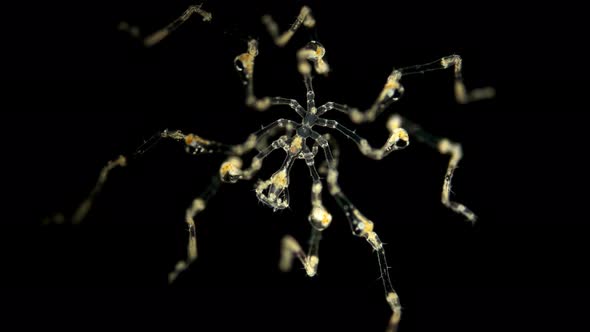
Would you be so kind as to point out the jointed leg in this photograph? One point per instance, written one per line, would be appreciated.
(393, 90)
(231, 170)
(83, 209)
(281, 40)
(398, 139)
(313, 52)
(363, 227)
(244, 64)
(444, 146)
(319, 219)
(194, 145)
(198, 205)
(461, 94)
(290, 248)
(157, 36)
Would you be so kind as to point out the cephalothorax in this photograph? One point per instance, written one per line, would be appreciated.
(299, 140)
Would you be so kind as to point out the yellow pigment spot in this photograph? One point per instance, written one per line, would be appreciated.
(403, 135)
(326, 219)
(190, 139)
(296, 145)
(226, 167)
(280, 179)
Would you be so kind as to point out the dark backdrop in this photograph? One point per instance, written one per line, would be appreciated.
(79, 93)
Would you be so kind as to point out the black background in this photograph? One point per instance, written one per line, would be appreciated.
(80, 93)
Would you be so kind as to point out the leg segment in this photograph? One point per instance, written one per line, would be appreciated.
(363, 227)
(398, 139)
(157, 36)
(291, 102)
(244, 64)
(198, 205)
(461, 94)
(393, 90)
(281, 40)
(290, 248)
(83, 209)
(444, 146)
(319, 219)
(312, 52)
(231, 170)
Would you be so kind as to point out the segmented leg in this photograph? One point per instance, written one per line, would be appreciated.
(361, 226)
(157, 36)
(304, 18)
(319, 219)
(393, 90)
(86, 205)
(244, 64)
(290, 248)
(444, 146)
(398, 139)
(231, 170)
(313, 52)
(198, 205)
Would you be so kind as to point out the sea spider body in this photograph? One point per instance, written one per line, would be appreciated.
(295, 139)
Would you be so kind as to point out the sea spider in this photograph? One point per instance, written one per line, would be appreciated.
(273, 192)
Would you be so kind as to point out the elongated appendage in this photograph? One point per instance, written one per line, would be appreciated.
(313, 52)
(290, 249)
(86, 205)
(444, 146)
(456, 152)
(304, 18)
(361, 226)
(393, 89)
(197, 206)
(159, 35)
(244, 65)
(319, 218)
(461, 94)
(398, 138)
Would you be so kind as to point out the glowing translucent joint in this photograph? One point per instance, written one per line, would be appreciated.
(311, 265)
(445, 146)
(394, 122)
(291, 249)
(194, 143)
(177, 134)
(206, 15)
(319, 217)
(374, 240)
(394, 303)
(451, 60)
(258, 104)
(361, 224)
(230, 171)
(398, 140)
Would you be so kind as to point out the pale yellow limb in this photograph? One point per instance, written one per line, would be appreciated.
(84, 208)
(304, 18)
(160, 34)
